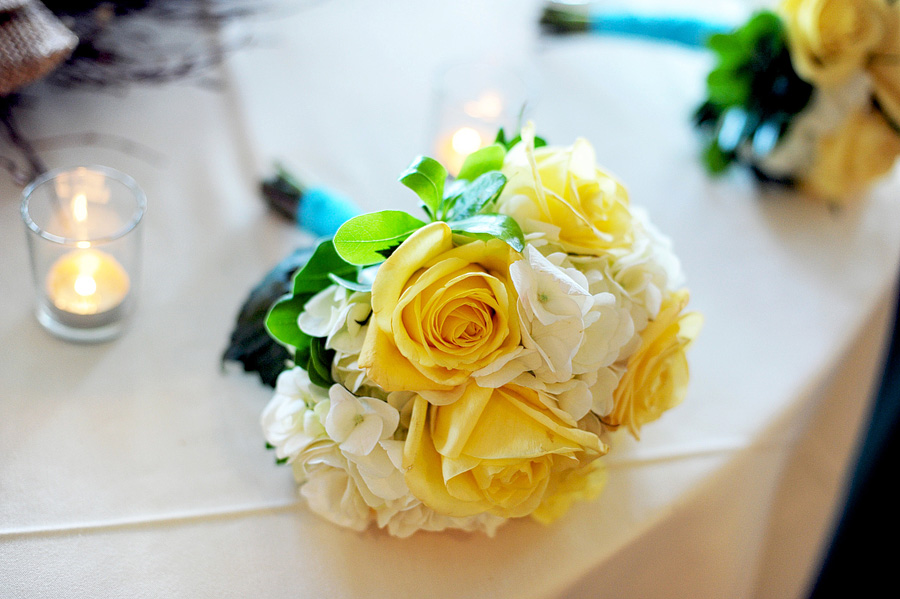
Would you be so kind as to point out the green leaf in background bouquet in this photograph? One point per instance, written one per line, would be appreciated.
(488, 226)
(426, 177)
(753, 92)
(489, 158)
(476, 195)
(715, 160)
(370, 238)
(728, 87)
(762, 25)
(728, 48)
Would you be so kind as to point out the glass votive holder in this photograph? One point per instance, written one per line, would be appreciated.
(85, 247)
(472, 102)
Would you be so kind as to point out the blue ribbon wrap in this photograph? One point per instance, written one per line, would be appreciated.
(322, 211)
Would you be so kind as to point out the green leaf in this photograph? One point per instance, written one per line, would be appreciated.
(351, 285)
(365, 239)
(301, 357)
(539, 142)
(728, 46)
(489, 158)
(716, 160)
(426, 177)
(488, 226)
(319, 365)
(314, 276)
(727, 87)
(452, 190)
(724, 44)
(281, 321)
(762, 24)
(478, 194)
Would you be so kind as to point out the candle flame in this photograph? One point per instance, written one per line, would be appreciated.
(465, 141)
(85, 285)
(87, 282)
(79, 207)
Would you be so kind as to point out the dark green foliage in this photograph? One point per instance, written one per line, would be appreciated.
(753, 92)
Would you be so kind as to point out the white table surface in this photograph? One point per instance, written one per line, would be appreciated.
(137, 468)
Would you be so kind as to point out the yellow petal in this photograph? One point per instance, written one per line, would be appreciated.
(423, 245)
(656, 375)
(385, 365)
(453, 424)
(580, 485)
(423, 473)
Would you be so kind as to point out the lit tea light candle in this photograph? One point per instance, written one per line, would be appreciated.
(86, 287)
(459, 144)
(84, 246)
(473, 101)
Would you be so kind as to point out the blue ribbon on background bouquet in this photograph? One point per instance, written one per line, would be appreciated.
(562, 18)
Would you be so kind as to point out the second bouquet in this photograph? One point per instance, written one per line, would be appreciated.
(457, 371)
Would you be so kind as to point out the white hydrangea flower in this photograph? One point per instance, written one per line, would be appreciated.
(339, 315)
(343, 458)
(346, 371)
(359, 423)
(294, 423)
(569, 334)
(363, 427)
(342, 317)
(638, 276)
(552, 305)
(333, 494)
(602, 384)
(293, 419)
(416, 516)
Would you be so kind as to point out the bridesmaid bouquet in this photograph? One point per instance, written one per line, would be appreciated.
(461, 369)
(808, 96)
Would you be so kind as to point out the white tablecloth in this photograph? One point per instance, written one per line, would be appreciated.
(137, 468)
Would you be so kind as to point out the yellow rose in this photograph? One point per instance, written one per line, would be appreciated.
(560, 192)
(496, 451)
(656, 375)
(440, 312)
(846, 161)
(884, 67)
(584, 484)
(831, 39)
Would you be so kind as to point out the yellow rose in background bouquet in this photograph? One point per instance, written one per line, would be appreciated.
(458, 372)
(830, 40)
(809, 96)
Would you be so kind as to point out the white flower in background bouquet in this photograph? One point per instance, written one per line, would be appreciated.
(457, 373)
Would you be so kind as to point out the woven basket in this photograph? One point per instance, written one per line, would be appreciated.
(32, 43)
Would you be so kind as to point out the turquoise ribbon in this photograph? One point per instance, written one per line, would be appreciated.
(680, 30)
(322, 211)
